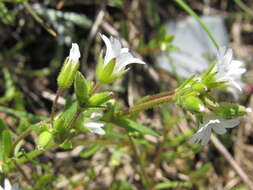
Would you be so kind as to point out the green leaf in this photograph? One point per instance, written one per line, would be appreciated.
(3, 126)
(173, 184)
(6, 144)
(201, 172)
(9, 87)
(121, 185)
(66, 145)
(130, 125)
(90, 150)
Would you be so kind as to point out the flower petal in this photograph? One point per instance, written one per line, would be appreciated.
(206, 136)
(74, 53)
(109, 54)
(219, 129)
(7, 184)
(125, 59)
(95, 127)
(230, 123)
(116, 46)
(15, 187)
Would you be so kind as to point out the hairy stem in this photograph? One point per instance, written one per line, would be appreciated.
(146, 105)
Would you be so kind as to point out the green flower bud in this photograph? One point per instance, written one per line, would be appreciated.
(44, 139)
(99, 98)
(69, 68)
(82, 89)
(230, 110)
(199, 87)
(193, 104)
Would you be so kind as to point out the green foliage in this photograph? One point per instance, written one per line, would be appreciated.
(87, 152)
(121, 185)
(173, 184)
(5, 16)
(162, 41)
(9, 86)
(132, 126)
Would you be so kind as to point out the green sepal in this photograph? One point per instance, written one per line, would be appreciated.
(82, 89)
(99, 98)
(67, 74)
(104, 73)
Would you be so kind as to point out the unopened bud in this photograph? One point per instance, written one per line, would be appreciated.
(231, 110)
(69, 68)
(44, 139)
(82, 89)
(193, 104)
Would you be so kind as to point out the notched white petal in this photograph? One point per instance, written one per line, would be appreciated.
(109, 54)
(95, 127)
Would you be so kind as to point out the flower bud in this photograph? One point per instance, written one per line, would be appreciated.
(199, 87)
(82, 89)
(99, 98)
(193, 104)
(231, 110)
(69, 68)
(44, 139)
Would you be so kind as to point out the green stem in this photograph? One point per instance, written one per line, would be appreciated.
(58, 93)
(143, 174)
(184, 6)
(74, 118)
(244, 7)
(95, 88)
(35, 154)
(146, 105)
(38, 19)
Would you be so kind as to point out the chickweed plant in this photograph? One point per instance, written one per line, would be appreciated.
(98, 113)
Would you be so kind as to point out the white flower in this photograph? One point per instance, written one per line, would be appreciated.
(114, 50)
(230, 71)
(74, 53)
(212, 122)
(95, 127)
(8, 186)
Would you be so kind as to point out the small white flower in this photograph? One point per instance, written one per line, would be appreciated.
(114, 50)
(248, 110)
(212, 122)
(8, 186)
(74, 53)
(95, 127)
(230, 71)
